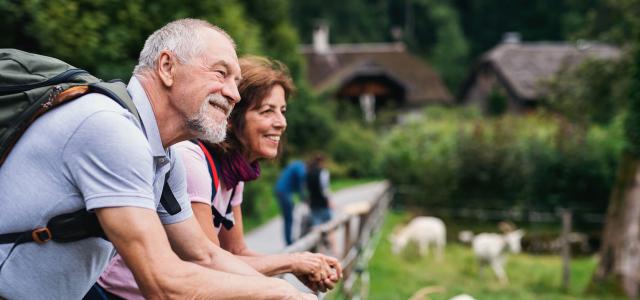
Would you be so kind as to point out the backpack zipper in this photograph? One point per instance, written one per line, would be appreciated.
(62, 77)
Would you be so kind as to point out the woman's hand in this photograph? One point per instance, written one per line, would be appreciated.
(317, 271)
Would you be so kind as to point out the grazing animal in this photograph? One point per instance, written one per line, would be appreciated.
(463, 297)
(491, 249)
(465, 236)
(423, 294)
(424, 231)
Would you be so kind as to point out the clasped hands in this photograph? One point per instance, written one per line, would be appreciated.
(317, 271)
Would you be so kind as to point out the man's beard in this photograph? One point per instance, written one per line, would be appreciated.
(206, 127)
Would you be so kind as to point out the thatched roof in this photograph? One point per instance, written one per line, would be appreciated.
(343, 62)
(524, 65)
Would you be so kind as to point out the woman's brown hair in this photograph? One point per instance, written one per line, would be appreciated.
(259, 76)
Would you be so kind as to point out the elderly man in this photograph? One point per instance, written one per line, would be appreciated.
(93, 154)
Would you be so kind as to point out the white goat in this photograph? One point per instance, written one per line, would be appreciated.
(463, 297)
(491, 248)
(424, 231)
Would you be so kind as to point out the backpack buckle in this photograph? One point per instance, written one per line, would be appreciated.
(41, 235)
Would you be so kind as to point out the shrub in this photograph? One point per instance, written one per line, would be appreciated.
(456, 158)
(355, 149)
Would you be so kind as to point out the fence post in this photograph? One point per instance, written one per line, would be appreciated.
(566, 248)
(347, 237)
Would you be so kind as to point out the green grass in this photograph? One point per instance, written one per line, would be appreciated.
(531, 277)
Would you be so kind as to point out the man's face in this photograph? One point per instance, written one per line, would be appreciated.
(206, 88)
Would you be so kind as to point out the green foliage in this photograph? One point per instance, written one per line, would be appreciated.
(484, 22)
(259, 203)
(497, 102)
(454, 158)
(593, 92)
(353, 21)
(105, 37)
(355, 148)
(278, 36)
(424, 156)
(449, 51)
(310, 124)
(632, 123)
(612, 21)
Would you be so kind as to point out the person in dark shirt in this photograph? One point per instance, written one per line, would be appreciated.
(319, 195)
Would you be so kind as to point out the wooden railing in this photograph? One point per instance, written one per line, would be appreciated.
(359, 224)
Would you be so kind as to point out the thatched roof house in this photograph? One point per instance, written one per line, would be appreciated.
(517, 70)
(383, 73)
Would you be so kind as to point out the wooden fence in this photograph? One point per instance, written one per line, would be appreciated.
(359, 225)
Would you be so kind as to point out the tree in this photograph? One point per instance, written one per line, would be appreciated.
(105, 37)
(620, 252)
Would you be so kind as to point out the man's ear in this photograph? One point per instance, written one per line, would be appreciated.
(166, 67)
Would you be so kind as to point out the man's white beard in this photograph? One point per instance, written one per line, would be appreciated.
(208, 129)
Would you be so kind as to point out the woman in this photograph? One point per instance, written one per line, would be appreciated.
(216, 176)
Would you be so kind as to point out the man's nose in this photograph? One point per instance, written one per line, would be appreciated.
(231, 92)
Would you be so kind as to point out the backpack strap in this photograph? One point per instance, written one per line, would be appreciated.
(117, 91)
(168, 200)
(214, 170)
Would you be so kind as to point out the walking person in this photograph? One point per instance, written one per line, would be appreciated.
(290, 182)
(91, 155)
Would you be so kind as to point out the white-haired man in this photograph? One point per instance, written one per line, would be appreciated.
(93, 154)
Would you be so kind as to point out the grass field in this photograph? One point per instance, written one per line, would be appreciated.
(531, 277)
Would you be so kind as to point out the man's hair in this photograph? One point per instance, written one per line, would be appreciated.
(259, 76)
(182, 37)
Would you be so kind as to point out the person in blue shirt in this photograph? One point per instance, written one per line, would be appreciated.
(291, 180)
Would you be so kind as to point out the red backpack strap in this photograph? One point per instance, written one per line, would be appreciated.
(218, 218)
(213, 170)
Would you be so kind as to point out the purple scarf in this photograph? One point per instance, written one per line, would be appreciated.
(236, 168)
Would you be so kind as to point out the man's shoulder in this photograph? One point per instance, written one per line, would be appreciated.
(97, 107)
(94, 102)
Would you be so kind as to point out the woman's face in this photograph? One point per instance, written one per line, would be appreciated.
(264, 125)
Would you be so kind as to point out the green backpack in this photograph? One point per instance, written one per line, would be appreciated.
(31, 85)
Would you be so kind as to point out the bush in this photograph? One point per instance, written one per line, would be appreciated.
(456, 158)
(259, 203)
(355, 149)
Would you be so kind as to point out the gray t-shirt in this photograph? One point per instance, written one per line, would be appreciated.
(88, 153)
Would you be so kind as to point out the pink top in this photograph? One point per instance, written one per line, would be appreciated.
(117, 278)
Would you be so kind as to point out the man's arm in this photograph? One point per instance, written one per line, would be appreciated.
(138, 236)
(191, 244)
